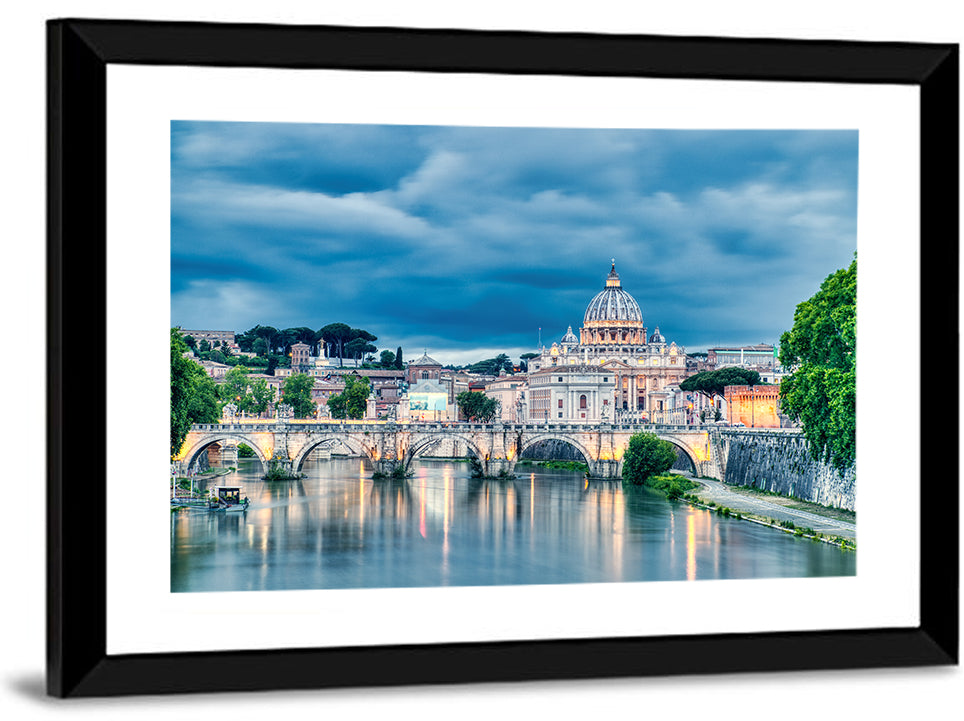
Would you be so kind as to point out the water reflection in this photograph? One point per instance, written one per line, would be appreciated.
(337, 528)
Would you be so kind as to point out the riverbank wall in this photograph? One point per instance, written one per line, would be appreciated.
(781, 463)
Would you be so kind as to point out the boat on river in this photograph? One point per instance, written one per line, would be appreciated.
(228, 498)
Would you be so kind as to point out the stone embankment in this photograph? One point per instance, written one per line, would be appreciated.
(781, 463)
(773, 508)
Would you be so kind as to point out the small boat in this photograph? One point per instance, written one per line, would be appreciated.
(228, 498)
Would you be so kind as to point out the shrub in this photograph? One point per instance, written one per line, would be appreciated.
(674, 486)
(646, 456)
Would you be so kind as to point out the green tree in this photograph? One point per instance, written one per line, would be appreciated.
(204, 346)
(336, 335)
(477, 406)
(260, 346)
(234, 387)
(296, 392)
(270, 334)
(190, 342)
(398, 359)
(712, 383)
(203, 405)
(387, 359)
(646, 455)
(358, 347)
(353, 401)
(249, 395)
(261, 395)
(193, 394)
(503, 362)
(299, 334)
(821, 392)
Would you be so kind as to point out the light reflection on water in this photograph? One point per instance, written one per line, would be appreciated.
(337, 528)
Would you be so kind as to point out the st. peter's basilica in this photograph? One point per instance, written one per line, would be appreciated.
(612, 368)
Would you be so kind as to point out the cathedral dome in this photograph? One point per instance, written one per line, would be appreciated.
(613, 305)
(657, 337)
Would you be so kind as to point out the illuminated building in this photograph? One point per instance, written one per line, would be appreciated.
(614, 340)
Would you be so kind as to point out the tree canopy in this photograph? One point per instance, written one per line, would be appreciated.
(490, 366)
(358, 348)
(477, 406)
(646, 455)
(821, 392)
(194, 397)
(344, 341)
(249, 395)
(387, 359)
(712, 383)
(353, 401)
(296, 393)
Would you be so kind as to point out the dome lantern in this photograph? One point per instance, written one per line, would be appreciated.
(613, 305)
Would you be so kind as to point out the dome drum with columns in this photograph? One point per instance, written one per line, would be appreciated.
(613, 336)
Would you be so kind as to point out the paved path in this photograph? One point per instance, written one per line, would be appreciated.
(720, 494)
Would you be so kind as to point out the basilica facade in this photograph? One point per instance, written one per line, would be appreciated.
(614, 344)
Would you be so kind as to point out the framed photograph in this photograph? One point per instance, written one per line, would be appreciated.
(333, 237)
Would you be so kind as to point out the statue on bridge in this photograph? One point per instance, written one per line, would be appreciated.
(284, 412)
(229, 413)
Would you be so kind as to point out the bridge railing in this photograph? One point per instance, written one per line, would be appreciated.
(271, 425)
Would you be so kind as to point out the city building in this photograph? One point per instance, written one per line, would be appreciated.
(216, 370)
(424, 368)
(225, 337)
(571, 393)
(426, 400)
(614, 339)
(301, 361)
(755, 357)
(510, 391)
(755, 406)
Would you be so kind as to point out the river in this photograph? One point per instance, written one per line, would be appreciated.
(337, 528)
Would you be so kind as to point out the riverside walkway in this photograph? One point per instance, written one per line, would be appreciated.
(723, 495)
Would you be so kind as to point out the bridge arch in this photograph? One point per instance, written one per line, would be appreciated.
(191, 453)
(535, 440)
(421, 444)
(348, 440)
(685, 448)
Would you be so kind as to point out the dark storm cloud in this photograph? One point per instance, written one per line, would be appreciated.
(468, 239)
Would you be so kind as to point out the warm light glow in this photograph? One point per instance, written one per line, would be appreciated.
(532, 499)
(691, 548)
(421, 516)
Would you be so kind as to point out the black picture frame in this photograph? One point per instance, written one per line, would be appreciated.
(79, 52)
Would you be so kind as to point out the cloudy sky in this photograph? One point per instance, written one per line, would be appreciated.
(466, 241)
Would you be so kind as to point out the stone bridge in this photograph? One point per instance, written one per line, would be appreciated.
(497, 446)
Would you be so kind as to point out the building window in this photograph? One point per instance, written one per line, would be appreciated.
(560, 414)
(560, 379)
(560, 402)
(582, 403)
